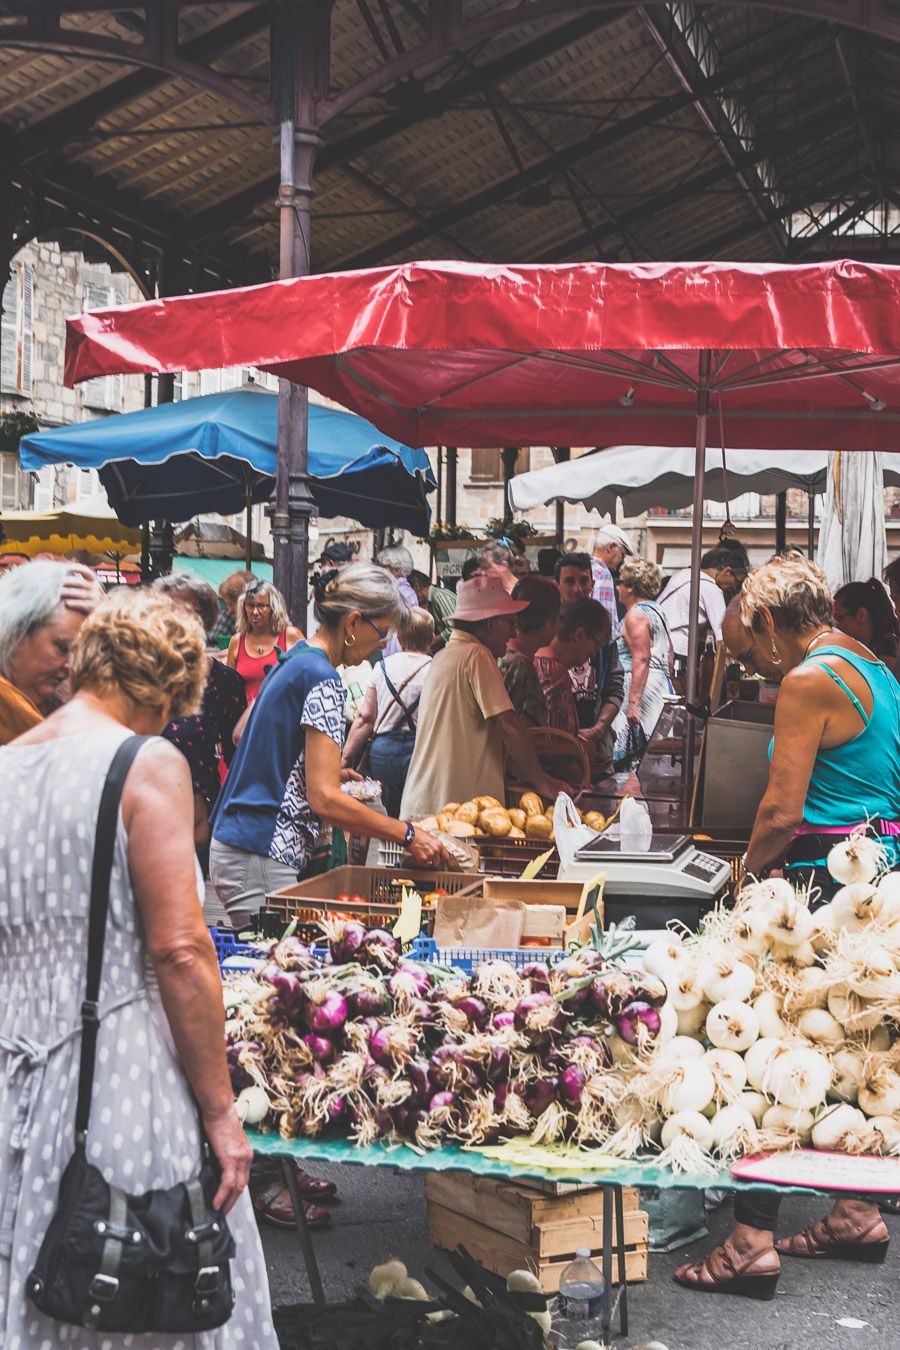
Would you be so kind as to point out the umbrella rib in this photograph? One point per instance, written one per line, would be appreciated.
(810, 373)
(684, 380)
(646, 373)
(438, 401)
(715, 387)
(368, 385)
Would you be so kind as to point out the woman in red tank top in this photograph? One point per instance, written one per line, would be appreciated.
(263, 634)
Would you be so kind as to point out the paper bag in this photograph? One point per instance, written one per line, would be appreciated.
(472, 921)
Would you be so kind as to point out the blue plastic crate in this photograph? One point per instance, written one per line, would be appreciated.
(469, 958)
(227, 945)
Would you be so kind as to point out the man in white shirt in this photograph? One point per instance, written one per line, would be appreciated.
(720, 571)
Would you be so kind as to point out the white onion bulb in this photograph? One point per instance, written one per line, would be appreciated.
(884, 1132)
(662, 956)
(800, 1078)
(856, 905)
(849, 1072)
(750, 932)
(768, 1009)
(794, 956)
(728, 980)
(787, 1118)
(684, 1047)
(879, 1095)
(690, 1123)
(689, 1087)
(853, 1012)
(840, 1129)
(691, 1021)
(754, 1103)
(685, 986)
(728, 1071)
(758, 1059)
(818, 1026)
(855, 859)
(252, 1105)
(790, 924)
(732, 1025)
(734, 1132)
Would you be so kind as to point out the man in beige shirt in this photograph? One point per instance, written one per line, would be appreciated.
(466, 723)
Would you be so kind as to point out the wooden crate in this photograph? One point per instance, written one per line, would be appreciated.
(379, 889)
(507, 1226)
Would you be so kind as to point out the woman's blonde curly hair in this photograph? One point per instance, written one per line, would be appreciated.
(139, 642)
(642, 576)
(793, 589)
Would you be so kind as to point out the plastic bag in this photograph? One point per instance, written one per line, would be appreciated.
(636, 827)
(569, 833)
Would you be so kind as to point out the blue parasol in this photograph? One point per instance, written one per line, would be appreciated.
(217, 453)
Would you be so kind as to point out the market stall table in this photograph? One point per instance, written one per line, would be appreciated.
(612, 1178)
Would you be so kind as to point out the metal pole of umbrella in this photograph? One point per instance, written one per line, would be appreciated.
(248, 541)
(509, 454)
(561, 455)
(780, 522)
(810, 524)
(696, 555)
(452, 458)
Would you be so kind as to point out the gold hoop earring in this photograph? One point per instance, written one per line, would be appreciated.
(350, 641)
(776, 655)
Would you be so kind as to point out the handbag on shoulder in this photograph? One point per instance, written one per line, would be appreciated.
(112, 1261)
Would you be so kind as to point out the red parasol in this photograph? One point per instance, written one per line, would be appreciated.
(575, 354)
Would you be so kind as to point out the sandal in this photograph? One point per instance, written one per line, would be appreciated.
(820, 1242)
(272, 1202)
(722, 1272)
(310, 1187)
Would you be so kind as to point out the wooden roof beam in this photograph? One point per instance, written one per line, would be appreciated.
(53, 132)
(672, 41)
(334, 154)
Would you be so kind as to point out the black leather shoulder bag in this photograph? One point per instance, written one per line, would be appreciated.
(111, 1261)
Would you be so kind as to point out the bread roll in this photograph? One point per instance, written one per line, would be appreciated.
(468, 812)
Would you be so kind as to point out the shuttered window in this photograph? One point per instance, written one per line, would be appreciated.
(17, 331)
(104, 393)
(487, 465)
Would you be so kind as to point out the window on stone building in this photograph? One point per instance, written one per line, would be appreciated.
(105, 392)
(487, 465)
(17, 335)
(15, 488)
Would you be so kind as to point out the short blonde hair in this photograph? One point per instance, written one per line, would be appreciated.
(264, 590)
(415, 631)
(641, 576)
(137, 641)
(793, 589)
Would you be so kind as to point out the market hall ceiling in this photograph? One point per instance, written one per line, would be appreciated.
(488, 130)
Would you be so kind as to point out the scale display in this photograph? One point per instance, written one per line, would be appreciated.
(671, 867)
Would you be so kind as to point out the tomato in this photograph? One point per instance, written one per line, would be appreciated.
(535, 942)
(357, 900)
(344, 898)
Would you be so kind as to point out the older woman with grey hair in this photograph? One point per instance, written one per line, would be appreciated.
(42, 606)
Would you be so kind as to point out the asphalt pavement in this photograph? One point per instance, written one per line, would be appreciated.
(382, 1213)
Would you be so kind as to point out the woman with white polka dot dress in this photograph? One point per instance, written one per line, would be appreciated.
(138, 662)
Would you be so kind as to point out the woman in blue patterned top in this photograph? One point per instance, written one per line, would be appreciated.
(285, 780)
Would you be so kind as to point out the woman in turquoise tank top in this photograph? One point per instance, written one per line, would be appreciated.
(835, 764)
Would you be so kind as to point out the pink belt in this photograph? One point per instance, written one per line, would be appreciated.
(884, 828)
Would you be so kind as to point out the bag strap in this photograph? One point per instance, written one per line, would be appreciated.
(104, 844)
(395, 695)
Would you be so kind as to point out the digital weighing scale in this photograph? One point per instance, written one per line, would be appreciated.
(670, 879)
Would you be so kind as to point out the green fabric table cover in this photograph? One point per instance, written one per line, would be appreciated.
(454, 1159)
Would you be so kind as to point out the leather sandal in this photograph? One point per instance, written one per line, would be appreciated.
(272, 1202)
(821, 1243)
(723, 1272)
(310, 1187)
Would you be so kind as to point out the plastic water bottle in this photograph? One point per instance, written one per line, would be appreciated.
(580, 1306)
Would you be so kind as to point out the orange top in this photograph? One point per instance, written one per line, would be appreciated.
(17, 712)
